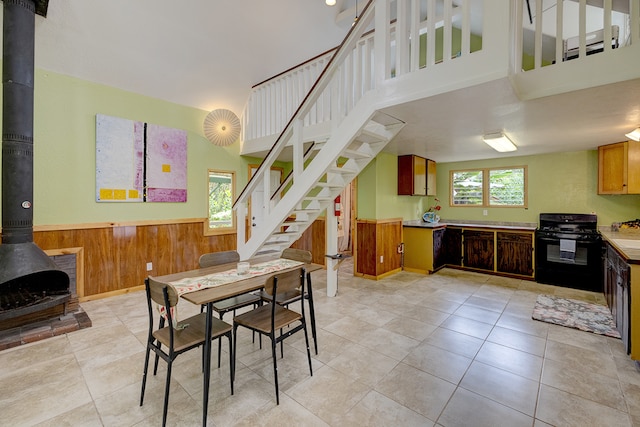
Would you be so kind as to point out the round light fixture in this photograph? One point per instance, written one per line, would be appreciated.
(221, 127)
(330, 2)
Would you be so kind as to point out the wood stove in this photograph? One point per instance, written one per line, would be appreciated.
(29, 280)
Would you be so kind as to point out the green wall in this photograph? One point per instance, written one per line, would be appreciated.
(377, 192)
(64, 152)
(558, 182)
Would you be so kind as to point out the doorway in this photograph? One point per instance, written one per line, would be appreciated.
(256, 203)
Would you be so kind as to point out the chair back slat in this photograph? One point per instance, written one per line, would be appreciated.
(297, 255)
(217, 258)
(284, 282)
(155, 291)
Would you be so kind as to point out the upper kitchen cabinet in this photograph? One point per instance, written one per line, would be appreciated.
(619, 168)
(416, 176)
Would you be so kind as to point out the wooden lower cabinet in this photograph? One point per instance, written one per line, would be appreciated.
(515, 253)
(452, 246)
(423, 249)
(377, 243)
(503, 252)
(479, 249)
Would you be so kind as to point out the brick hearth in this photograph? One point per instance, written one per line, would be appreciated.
(44, 329)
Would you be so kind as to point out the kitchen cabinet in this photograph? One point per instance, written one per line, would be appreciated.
(416, 176)
(423, 248)
(452, 247)
(617, 292)
(619, 168)
(496, 251)
(478, 249)
(515, 252)
(377, 243)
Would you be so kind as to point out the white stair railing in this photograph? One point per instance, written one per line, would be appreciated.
(272, 102)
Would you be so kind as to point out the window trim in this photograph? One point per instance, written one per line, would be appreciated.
(208, 231)
(486, 187)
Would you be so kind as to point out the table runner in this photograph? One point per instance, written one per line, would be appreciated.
(212, 280)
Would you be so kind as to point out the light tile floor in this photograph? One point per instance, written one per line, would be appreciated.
(451, 349)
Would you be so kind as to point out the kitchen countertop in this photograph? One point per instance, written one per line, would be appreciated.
(528, 226)
(418, 223)
(625, 241)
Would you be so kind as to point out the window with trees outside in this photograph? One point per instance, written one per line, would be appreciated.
(489, 187)
(221, 193)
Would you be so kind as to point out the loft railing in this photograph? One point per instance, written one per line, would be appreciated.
(570, 29)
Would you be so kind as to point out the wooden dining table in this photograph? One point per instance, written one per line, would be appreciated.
(207, 296)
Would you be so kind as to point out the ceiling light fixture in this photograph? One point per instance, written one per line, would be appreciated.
(634, 134)
(221, 127)
(330, 2)
(499, 142)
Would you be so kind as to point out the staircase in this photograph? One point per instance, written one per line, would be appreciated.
(322, 167)
(331, 165)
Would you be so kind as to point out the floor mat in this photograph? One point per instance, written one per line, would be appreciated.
(575, 314)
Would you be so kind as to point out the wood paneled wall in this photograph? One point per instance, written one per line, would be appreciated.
(375, 239)
(116, 255)
(314, 239)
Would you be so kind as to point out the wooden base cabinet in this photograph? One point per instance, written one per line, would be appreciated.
(515, 253)
(423, 249)
(377, 243)
(507, 253)
(617, 292)
(479, 247)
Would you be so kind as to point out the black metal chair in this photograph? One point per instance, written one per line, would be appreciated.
(233, 303)
(270, 317)
(177, 337)
(295, 295)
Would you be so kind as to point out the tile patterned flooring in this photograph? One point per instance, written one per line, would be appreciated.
(451, 349)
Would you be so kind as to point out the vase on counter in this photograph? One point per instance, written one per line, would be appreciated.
(430, 217)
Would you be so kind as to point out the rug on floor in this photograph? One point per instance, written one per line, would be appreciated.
(576, 314)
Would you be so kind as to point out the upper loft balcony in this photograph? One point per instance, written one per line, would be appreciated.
(533, 69)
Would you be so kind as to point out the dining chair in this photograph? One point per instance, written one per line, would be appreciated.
(230, 304)
(271, 317)
(177, 337)
(296, 294)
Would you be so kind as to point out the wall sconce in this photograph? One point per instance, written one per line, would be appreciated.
(634, 134)
(221, 127)
(330, 2)
(499, 142)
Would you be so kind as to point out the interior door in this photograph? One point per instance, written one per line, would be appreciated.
(257, 208)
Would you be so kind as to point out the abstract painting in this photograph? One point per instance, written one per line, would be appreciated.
(139, 162)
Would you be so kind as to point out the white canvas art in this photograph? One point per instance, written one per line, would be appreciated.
(139, 162)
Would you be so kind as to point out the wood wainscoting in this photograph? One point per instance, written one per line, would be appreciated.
(115, 255)
(377, 243)
(314, 239)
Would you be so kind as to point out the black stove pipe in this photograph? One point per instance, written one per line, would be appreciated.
(20, 258)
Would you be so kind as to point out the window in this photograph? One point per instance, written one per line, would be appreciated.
(495, 187)
(221, 193)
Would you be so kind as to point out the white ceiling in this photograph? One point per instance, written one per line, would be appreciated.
(208, 53)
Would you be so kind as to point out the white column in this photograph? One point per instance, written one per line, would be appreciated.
(332, 249)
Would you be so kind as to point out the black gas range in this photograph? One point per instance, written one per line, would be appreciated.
(568, 251)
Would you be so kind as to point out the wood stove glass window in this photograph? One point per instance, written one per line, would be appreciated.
(220, 197)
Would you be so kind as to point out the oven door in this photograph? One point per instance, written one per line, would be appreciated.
(580, 268)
